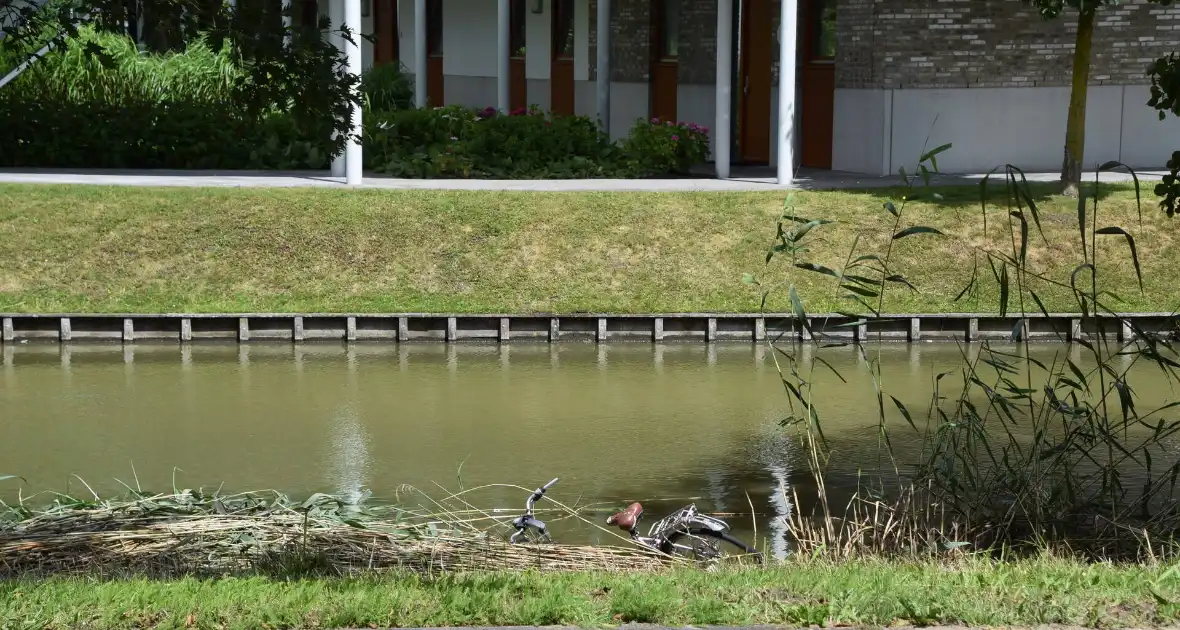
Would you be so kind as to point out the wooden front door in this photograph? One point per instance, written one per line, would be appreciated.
(561, 68)
(665, 66)
(434, 53)
(517, 83)
(817, 72)
(385, 49)
(754, 80)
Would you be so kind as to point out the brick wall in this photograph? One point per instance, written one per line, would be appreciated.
(971, 43)
(698, 42)
(631, 41)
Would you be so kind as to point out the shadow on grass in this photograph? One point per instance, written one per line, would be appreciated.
(970, 194)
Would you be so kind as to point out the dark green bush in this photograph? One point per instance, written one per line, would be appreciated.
(387, 88)
(184, 110)
(659, 147)
(130, 110)
(460, 142)
(176, 135)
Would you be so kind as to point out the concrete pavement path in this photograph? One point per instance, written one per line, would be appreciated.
(743, 180)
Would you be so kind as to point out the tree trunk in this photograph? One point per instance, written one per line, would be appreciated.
(1075, 126)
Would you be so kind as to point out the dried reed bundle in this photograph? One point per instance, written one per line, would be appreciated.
(190, 533)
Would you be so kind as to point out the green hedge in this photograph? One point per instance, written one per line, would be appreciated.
(129, 110)
(179, 111)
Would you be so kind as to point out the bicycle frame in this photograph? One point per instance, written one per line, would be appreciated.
(684, 521)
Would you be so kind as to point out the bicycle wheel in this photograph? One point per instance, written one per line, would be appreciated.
(704, 545)
(531, 536)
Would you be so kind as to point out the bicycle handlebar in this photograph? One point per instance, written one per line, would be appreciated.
(538, 494)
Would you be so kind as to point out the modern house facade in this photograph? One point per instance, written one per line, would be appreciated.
(875, 80)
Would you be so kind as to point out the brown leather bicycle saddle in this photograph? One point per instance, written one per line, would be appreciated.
(626, 519)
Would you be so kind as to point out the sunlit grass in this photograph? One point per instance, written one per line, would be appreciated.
(1044, 590)
(122, 249)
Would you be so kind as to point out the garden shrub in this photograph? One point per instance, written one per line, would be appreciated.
(659, 147)
(129, 110)
(387, 88)
(192, 110)
(460, 142)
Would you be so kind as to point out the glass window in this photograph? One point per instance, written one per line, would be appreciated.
(310, 13)
(563, 28)
(670, 36)
(823, 30)
(517, 33)
(434, 27)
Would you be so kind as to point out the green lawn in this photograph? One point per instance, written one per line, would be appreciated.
(123, 249)
(801, 593)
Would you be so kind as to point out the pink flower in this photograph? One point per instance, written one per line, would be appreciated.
(669, 123)
(675, 138)
(655, 121)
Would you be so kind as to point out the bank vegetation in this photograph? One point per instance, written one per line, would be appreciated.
(1015, 452)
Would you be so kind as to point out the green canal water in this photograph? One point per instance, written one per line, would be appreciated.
(662, 424)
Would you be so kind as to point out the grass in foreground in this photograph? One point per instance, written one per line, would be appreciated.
(125, 249)
(799, 593)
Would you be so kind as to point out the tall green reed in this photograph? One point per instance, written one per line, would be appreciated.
(1026, 450)
(199, 74)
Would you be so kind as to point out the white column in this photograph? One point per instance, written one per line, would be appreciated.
(336, 20)
(419, 53)
(603, 64)
(785, 134)
(721, 134)
(503, 55)
(354, 162)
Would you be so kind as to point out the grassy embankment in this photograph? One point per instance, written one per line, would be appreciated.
(122, 249)
(973, 592)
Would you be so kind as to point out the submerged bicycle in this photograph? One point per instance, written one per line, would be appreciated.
(686, 532)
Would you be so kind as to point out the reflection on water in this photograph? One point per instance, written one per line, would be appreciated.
(663, 424)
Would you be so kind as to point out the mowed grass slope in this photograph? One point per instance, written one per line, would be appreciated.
(799, 593)
(122, 249)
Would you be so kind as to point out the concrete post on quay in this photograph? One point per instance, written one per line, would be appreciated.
(721, 135)
(335, 21)
(602, 64)
(354, 157)
(420, 53)
(785, 134)
(503, 55)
